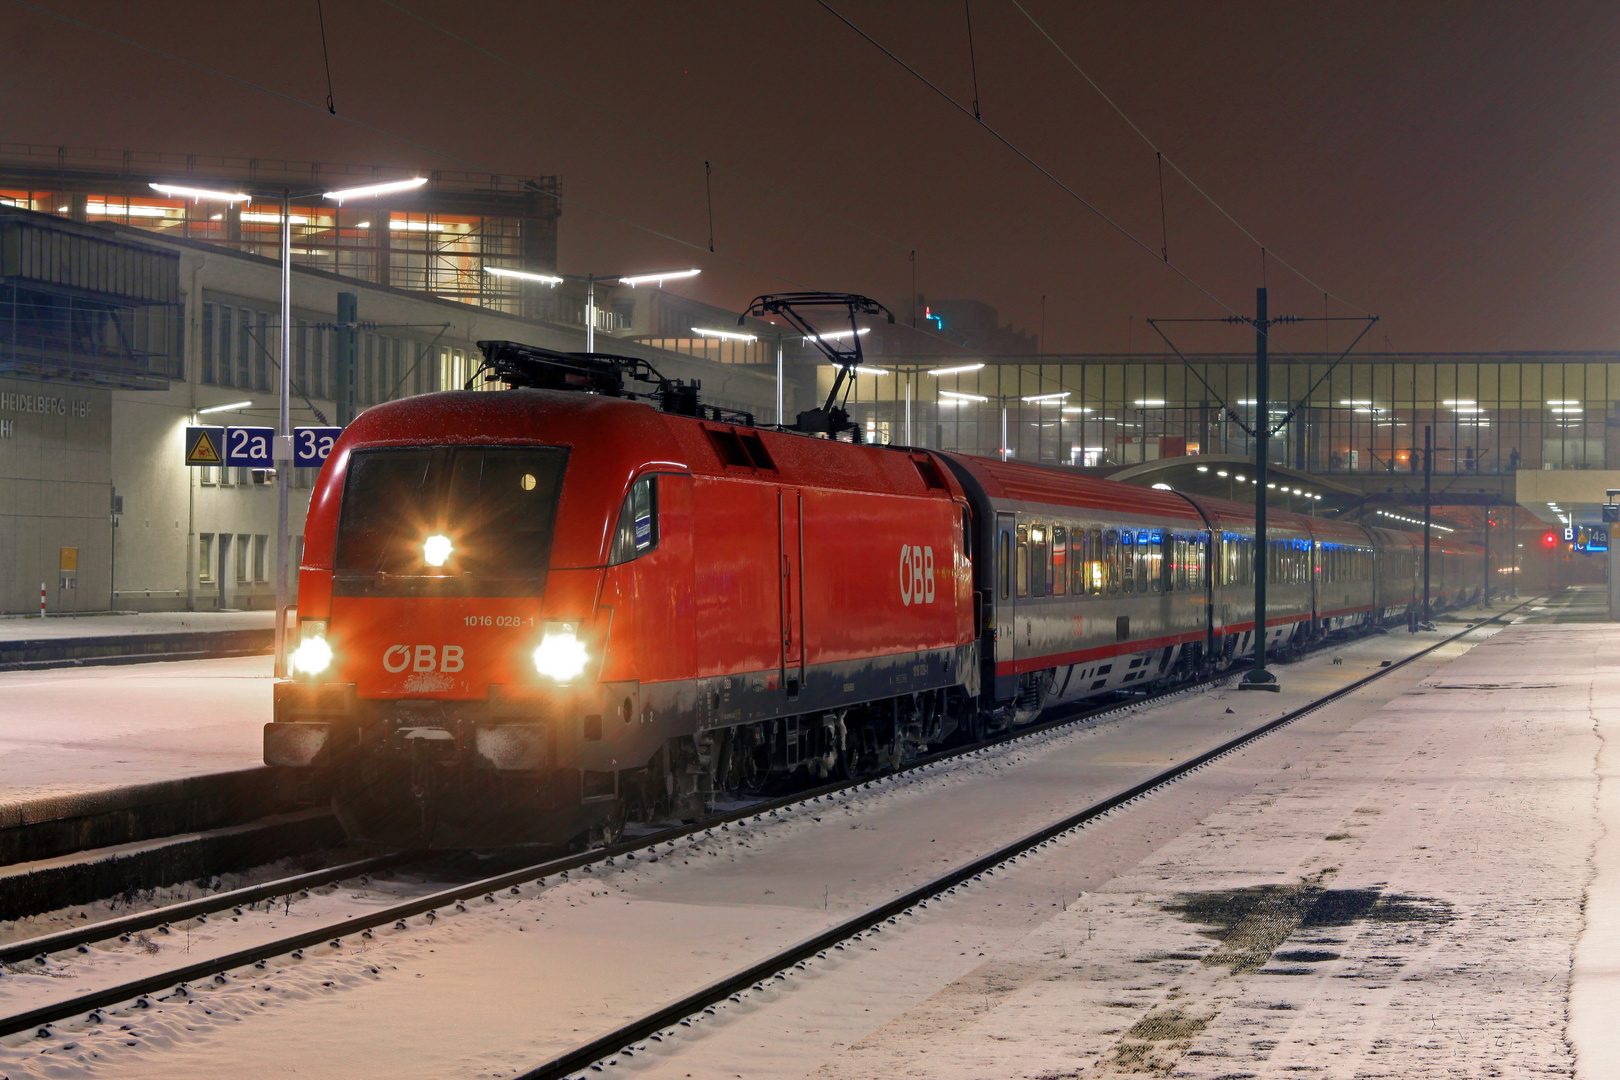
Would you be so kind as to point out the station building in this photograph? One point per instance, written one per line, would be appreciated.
(124, 315)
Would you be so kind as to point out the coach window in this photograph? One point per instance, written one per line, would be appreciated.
(1039, 548)
(1079, 561)
(1154, 553)
(1060, 559)
(1023, 560)
(1108, 561)
(637, 531)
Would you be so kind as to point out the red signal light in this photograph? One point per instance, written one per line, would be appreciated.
(1549, 539)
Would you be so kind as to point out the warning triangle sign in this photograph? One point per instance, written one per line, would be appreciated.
(203, 450)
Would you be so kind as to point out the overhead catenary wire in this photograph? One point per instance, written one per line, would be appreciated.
(1123, 115)
(326, 58)
(663, 140)
(1044, 171)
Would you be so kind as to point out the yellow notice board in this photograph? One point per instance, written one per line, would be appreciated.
(70, 560)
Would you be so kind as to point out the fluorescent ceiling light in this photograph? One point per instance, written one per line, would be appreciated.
(961, 370)
(727, 334)
(953, 395)
(376, 189)
(114, 210)
(1355, 403)
(548, 279)
(1151, 402)
(1459, 401)
(175, 191)
(276, 218)
(1162, 487)
(1203, 468)
(1078, 409)
(1562, 402)
(224, 408)
(1039, 398)
(660, 277)
(417, 226)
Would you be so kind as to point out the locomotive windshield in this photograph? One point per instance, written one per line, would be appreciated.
(485, 511)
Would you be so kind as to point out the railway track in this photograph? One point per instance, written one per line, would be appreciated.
(176, 980)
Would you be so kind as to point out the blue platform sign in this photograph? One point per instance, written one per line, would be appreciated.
(311, 445)
(249, 447)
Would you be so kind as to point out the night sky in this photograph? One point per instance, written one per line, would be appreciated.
(1449, 167)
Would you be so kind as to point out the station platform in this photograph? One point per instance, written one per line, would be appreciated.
(29, 642)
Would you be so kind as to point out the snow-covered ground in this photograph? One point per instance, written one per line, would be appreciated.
(1167, 924)
(66, 731)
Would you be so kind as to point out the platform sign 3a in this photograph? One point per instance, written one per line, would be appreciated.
(312, 445)
(249, 447)
(205, 445)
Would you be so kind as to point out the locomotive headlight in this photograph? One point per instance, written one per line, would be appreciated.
(561, 655)
(436, 550)
(313, 654)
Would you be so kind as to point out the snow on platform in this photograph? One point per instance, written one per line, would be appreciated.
(69, 731)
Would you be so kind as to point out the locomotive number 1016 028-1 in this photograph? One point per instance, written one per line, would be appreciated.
(499, 620)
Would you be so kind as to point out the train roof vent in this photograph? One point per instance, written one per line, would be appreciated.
(740, 449)
(929, 472)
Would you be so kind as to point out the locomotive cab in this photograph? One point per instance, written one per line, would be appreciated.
(454, 679)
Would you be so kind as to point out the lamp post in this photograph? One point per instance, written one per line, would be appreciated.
(282, 457)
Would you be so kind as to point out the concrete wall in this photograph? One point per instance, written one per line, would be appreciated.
(55, 492)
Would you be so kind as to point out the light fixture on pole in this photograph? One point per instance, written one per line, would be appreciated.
(632, 280)
(281, 457)
(225, 408)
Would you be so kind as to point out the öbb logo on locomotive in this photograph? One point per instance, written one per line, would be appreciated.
(423, 658)
(916, 574)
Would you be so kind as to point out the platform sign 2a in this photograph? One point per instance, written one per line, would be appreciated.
(311, 445)
(205, 446)
(249, 447)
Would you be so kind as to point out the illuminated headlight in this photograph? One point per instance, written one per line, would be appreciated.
(436, 550)
(561, 655)
(313, 654)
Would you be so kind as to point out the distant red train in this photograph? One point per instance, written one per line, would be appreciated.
(532, 615)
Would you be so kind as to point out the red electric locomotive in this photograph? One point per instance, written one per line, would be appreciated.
(534, 614)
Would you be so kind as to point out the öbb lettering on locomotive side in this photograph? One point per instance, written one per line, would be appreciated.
(533, 615)
(916, 574)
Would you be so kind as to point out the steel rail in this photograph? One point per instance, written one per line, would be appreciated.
(773, 967)
(218, 967)
(190, 909)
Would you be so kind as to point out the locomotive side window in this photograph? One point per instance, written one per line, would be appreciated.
(1060, 560)
(637, 531)
(1023, 560)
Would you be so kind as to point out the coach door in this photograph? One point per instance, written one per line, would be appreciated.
(1005, 589)
(790, 587)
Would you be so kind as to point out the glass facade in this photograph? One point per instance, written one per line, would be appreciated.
(1489, 413)
(436, 240)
